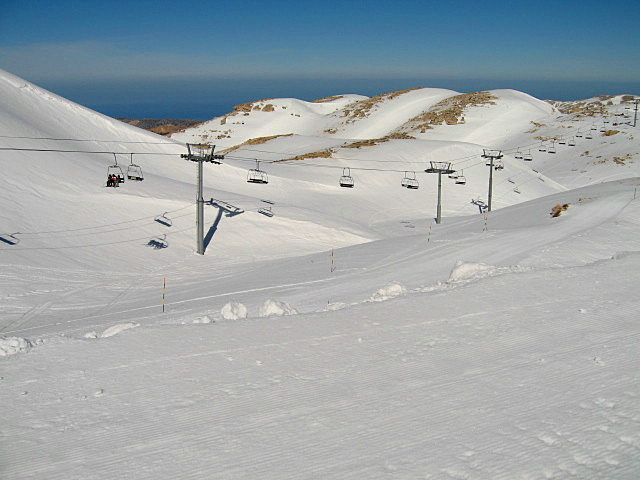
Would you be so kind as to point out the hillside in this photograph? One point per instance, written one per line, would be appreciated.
(343, 334)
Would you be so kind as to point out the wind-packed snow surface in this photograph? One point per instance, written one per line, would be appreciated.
(326, 332)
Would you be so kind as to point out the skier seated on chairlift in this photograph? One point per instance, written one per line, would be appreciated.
(112, 180)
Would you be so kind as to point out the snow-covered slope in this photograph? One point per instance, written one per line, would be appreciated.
(346, 335)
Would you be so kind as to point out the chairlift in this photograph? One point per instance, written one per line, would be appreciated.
(134, 172)
(460, 179)
(410, 181)
(543, 147)
(115, 175)
(579, 134)
(498, 165)
(518, 155)
(588, 136)
(572, 142)
(593, 127)
(527, 157)
(266, 211)
(10, 238)
(562, 141)
(346, 180)
(256, 175)
(158, 242)
(551, 149)
(164, 220)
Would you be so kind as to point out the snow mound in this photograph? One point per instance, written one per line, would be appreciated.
(468, 270)
(389, 291)
(234, 311)
(116, 329)
(204, 319)
(332, 307)
(273, 307)
(13, 345)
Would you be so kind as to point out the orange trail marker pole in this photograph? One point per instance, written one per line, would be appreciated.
(164, 289)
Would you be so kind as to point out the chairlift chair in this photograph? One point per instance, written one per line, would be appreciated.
(579, 134)
(562, 141)
(588, 136)
(527, 157)
(460, 179)
(593, 127)
(266, 211)
(255, 175)
(115, 170)
(164, 220)
(346, 180)
(542, 148)
(518, 155)
(410, 181)
(134, 172)
(498, 165)
(572, 142)
(551, 149)
(158, 242)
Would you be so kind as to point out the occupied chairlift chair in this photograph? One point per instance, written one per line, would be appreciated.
(518, 154)
(115, 170)
(255, 175)
(346, 180)
(498, 165)
(410, 181)
(134, 172)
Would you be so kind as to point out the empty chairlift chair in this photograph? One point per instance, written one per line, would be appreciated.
(134, 172)
(518, 154)
(527, 157)
(552, 148)
(346, 180)
(572, 142)
(460, 179)
(255, 175)
(410, 181)
(163, 220)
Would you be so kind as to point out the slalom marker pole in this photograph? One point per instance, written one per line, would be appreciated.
(429, 236)
(333, 266)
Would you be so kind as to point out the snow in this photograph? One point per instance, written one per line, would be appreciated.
(13, 345)
(234, 311)
(490, 346)
(116, 329)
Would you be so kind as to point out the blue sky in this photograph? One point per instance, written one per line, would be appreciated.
(168, 58)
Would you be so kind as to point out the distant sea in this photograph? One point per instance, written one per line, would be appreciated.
(203, 98)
